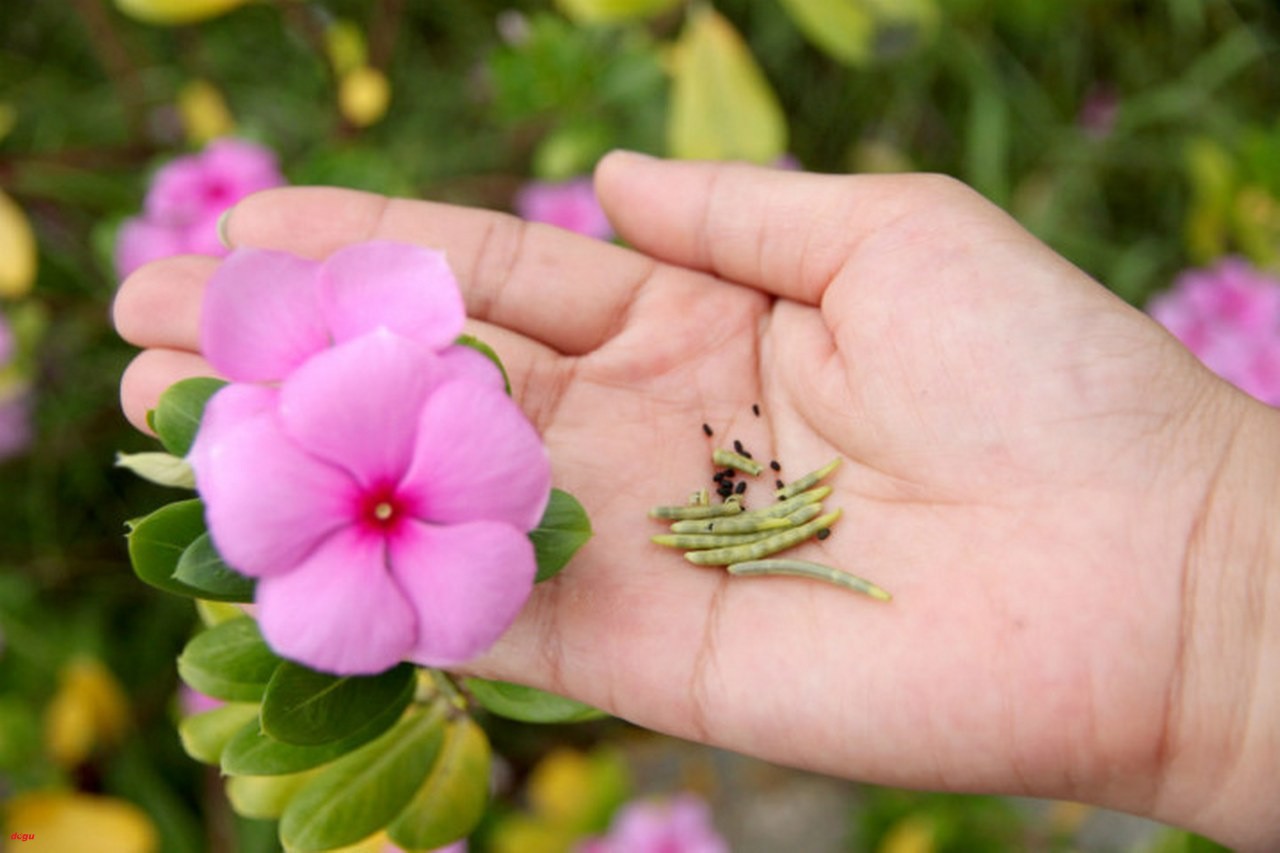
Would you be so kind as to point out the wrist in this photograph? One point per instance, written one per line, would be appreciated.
(1220, 768)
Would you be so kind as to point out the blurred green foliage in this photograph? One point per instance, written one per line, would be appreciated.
(1134, 136)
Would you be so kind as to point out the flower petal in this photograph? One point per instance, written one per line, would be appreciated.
(261, 315)
(357, 404)
(340, 611)
(408, 289)
(466, 582)
(478, 457)
(463, 362)
(227, 409)
(268, 503)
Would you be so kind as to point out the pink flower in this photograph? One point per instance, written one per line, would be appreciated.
(381, 488)
(682, 825)
(186, 198)
(571, 205)
(1229, 316)
(15, 401)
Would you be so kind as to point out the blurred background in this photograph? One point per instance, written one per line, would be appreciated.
(1139, 139)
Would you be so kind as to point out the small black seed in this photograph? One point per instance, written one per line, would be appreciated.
(747, 454)
(728, 473)
(707, 429)
(742, 487)
(780, 483)
(755, 409)
(823, 534)
(774, 465)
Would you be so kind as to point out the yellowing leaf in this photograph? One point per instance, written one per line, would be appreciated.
(345, 44)
(613, 11)
(205, 115)
(363, 96)
(577, 791)
(843, 29)
(170, 12)
(17, 249)
(264, 797)
(88, 710)
(64, 822)
(722, 107)
(913, 834)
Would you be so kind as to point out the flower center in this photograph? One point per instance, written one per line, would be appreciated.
(381, 510)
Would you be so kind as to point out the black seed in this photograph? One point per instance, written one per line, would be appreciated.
(707, 429)
(742, 486)
(737, 445)
(755, 409)
(775, 466)
(747, 454)
(728, 473)
(780, 483)
(823, 534)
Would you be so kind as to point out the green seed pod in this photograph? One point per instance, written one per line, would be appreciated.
(771, 545)
(806, 569)
(803, 514)
(808, 481)
(727, 458)
(743, 523)
(710, 540)
(784, 508)
(697, 511)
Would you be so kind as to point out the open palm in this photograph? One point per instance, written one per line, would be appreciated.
(1025, 460)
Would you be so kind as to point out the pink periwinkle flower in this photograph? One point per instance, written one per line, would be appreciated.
(380, 486)
(188, 195)
(1229, 316)
(571, 205)
(680, 825)
(15, 402)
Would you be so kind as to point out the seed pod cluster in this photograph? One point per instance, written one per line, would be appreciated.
(727, 534)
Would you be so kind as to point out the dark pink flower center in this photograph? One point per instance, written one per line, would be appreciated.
(382, 509)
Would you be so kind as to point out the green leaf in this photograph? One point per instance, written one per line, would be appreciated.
(843, 29)
(307, 708)
(177, 415)
(229, 661)
(364, 790)
(489, 353)
(201, 568)
(158, 541)
(205, 736)
(613, 11)
(528, 704)
(722, 107)
(264, 797)
(564, 528)
(163, 469)
(253, 752)
(452, 800)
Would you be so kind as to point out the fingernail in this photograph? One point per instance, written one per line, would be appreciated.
(223, 238)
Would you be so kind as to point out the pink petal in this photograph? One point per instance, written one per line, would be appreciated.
(261, 315)
(340, 611)
(268, 503)
(467, 582)
(226, 410)
(463, 362)
(141, 241)
(478, 457)
(408, 289)
(357, 404)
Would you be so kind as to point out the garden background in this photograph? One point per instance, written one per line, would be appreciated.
(1140, 139)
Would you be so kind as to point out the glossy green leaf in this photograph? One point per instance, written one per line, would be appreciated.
(489, 353)
(205, 736)
(201, 567)
(177, 415)
(452, 800)
(564, 528)
(722, 107)
(364, 790)
(528, 704)
(253, 752)
(613, 11)
(308, 708)
(264, 797)
(157, 542)
(229, 661)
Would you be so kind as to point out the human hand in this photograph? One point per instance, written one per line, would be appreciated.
(1032, 467)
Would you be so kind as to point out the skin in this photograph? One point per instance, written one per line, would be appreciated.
(1070, 512)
